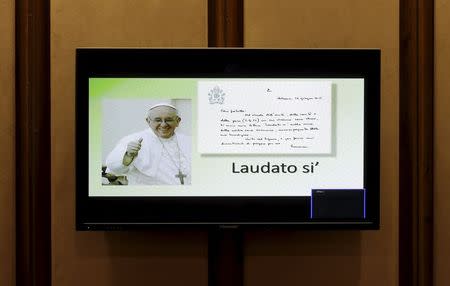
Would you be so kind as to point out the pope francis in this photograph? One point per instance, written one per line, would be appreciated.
(155, 156)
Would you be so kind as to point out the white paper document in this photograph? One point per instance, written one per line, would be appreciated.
(264, 117)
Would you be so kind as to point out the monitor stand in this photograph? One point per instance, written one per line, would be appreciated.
(225, 256)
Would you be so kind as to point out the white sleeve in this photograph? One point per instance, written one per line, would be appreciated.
(114, 159)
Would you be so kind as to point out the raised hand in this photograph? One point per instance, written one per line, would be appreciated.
(133, 148)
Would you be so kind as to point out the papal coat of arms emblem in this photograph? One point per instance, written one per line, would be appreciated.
(216, 95)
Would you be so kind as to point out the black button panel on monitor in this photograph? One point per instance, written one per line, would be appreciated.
(338, 204)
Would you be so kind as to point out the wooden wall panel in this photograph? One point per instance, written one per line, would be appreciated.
(7, 143)
(334, 257)
(441, 144)
(109, 258)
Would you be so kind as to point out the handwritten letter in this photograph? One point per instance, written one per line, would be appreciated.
(264, 117)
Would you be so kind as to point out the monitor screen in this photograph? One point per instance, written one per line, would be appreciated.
(227, 136)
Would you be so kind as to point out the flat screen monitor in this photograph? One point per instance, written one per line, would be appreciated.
(207, 137)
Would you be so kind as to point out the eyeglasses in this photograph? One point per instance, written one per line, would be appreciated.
(160, 120)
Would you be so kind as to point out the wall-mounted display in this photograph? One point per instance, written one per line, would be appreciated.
(227, 136)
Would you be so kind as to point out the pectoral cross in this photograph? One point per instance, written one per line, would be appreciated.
(181, 176)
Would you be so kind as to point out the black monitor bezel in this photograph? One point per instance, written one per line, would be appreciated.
(111, 213)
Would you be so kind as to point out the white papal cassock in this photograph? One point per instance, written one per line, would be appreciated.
(157, 163)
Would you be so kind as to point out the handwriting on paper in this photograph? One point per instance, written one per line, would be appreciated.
(265, 117)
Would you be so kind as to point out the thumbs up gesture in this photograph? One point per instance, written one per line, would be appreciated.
(133, 148)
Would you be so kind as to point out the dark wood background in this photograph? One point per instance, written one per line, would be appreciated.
(226, 25)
